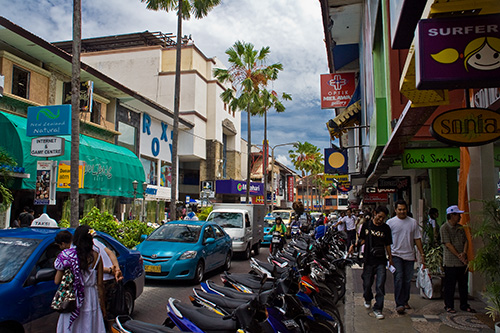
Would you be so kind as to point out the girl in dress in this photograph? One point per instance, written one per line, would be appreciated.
(86, 265)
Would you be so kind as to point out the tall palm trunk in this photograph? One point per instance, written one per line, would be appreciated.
(308, 196)
(75, 113)
(249, 152)
(175, 138)
(265, 159)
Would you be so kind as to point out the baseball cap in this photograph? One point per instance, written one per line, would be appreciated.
(453, 210)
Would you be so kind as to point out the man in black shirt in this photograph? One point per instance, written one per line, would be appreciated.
(376, 236)
(25, 218)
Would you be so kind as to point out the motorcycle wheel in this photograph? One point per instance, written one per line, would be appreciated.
(338, 284)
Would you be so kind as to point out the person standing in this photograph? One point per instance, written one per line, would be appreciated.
(320, 230)
(86, 266)
(25, 218)
(377, 238)
(405, 235)
(455, 260)
(349, 221)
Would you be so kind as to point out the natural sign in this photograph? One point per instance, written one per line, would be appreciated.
(49, 120)
(467, 127)
(431, 158)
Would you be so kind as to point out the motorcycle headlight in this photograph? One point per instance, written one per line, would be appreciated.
(188, 255)
(239, 239)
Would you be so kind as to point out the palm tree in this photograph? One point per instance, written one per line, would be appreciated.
(268, 100)
(200, 9)
(75, 114)
(6, 164)
(305, 157)
(249, 74)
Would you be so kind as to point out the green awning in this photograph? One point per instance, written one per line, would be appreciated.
(109, 171)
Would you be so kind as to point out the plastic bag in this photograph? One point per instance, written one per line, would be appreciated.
(424, 282)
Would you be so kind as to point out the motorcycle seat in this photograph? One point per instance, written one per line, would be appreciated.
(229, 292)
(228, 304)
(271, 267)
(137, 326)
(249, 281)
(206, 320)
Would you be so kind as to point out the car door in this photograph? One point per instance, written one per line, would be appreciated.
(209, 250)
(41, 292)
(222, 245)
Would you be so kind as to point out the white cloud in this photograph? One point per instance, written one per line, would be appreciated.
(292, 29)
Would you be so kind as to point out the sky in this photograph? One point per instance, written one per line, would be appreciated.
(291, 28)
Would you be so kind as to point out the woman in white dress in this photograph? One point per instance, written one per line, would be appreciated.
(86, 265)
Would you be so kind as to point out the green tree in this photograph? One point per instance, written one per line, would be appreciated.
(269, 100)
(6, 164)
(306, 157)
(248, 73)
(184, 8)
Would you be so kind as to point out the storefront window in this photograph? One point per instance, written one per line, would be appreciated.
(127, 138)
(166, 174)
(150, 171)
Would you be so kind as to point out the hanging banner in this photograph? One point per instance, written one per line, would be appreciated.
(45, 191)
(337, 89)
(64, 174)
(290, 180)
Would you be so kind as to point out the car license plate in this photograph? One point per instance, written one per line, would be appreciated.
(152, 269)
(276, 240)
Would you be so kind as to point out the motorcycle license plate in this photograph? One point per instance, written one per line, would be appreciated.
(290, 324)
(152, 268)
(276, 240)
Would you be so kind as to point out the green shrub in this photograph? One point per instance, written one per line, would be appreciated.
(127, 232)
(204, 213)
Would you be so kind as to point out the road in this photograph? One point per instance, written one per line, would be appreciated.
(151, 305)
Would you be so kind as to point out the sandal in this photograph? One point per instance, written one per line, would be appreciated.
(470, 310)
(450, 310)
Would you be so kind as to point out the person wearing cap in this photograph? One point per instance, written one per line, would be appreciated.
(455, 260)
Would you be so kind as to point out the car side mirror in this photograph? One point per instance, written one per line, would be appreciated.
(210, 240)
(45, 274)
(143, 237)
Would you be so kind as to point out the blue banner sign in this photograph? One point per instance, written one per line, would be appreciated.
(49, 120)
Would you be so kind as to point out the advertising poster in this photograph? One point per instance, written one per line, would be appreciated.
(337, 89)
(45, 192)
(64, 174)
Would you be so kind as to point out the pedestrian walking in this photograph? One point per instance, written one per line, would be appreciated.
(86, 266)
(349, 222)
(455, 260)
(376, 237)
(405, 235)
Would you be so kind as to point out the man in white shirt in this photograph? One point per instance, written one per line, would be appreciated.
(349, 225)
(405, 235)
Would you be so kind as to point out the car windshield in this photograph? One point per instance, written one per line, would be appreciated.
(13, 254)
(283, 215)
(268, 221)
(226, 219)
(181, 233)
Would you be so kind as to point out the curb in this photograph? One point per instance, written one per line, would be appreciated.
(349, 307)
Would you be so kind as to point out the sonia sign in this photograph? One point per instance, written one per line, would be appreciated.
(467, 127)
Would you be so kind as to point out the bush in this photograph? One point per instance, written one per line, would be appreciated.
(127, 232)
(204, 213)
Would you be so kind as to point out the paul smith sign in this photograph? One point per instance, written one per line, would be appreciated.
(431, 158)
(467, 127)
(458, 52)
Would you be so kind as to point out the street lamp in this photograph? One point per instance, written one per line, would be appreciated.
(272, 170)
(144, 188)
(134, 185)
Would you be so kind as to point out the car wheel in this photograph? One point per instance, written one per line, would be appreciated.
(199, 272)
(246, 254)
(256, 249)
(129, 301)
(227, 264)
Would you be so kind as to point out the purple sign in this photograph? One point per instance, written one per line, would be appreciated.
(230, 186)
(460, 52)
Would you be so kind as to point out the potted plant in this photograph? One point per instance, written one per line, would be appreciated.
(486, 260)
(434, 264)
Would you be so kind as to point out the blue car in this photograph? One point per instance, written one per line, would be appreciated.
(27, 277)
(268, 224)
(185, 250)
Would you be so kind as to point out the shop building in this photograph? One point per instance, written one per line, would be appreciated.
(407, 86)
(146, 62)
(37, 73)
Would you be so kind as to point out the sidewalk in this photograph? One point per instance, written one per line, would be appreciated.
(425, 315)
